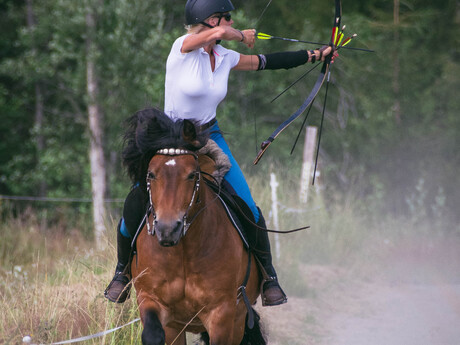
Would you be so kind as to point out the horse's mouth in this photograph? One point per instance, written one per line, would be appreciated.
(165, 243)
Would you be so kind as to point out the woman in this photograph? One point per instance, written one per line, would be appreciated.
(197, 73)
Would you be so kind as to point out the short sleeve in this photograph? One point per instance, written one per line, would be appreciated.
(177, 46)
(235, 57)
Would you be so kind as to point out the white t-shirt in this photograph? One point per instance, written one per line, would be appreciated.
(192, 89)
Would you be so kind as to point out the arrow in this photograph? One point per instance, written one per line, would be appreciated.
(263, 36)
(339, 39)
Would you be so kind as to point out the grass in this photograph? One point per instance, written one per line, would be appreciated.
(51, 288)
(52, 279)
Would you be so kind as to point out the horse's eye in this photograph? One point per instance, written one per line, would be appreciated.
(192, 176)
(150, 176)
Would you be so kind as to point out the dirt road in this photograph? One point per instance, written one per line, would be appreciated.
(401, 314)
(413, 298)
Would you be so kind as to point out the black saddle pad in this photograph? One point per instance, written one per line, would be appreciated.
(237, 210)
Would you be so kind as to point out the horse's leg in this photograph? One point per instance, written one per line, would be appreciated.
(220, 324)
(153, 333)
(172, 334)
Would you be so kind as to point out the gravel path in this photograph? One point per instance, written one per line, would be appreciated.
(400, 315)
(411, 297)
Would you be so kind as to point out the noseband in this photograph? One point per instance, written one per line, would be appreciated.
(185, 222)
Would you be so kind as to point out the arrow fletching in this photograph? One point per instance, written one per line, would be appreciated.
(340, 38)
(348, 40)
(262, 36)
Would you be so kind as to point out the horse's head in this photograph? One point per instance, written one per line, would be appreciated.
(173, 180)
(164, 150)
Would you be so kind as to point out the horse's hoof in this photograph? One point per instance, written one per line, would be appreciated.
(119, 288)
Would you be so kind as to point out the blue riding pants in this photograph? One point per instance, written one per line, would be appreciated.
(235, 176)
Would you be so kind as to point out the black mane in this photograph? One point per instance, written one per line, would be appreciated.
(150, 130)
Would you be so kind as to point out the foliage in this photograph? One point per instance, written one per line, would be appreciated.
(363, 143)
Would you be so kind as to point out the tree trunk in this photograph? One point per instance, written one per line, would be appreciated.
(96, 154)
(39, 106)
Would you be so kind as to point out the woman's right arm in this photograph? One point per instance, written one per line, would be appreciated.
(207, 37)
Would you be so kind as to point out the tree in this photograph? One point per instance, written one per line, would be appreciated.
(95, 120)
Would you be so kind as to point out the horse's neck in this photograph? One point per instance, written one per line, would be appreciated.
(210, 231)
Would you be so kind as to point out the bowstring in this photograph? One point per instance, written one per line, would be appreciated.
(262, 14)
(255, 116)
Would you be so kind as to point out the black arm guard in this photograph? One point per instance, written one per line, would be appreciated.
(284, 60)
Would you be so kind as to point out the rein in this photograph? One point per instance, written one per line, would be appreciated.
(151, 209)
(228, 199)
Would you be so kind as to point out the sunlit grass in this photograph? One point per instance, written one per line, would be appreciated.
(56, 292)
(52, 280)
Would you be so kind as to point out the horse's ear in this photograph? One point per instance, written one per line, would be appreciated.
(189, 132)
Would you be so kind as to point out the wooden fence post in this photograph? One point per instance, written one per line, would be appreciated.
(308, 162)
(274, 185)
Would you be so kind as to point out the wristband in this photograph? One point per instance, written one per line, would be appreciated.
(313, 56)
(242, 36)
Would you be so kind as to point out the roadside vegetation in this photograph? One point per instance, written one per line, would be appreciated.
(52, 278)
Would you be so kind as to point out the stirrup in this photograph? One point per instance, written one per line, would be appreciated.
(272, 294)
(119, 289)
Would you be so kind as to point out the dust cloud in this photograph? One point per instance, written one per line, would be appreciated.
(401, 293)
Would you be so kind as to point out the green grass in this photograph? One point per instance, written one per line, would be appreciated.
(52, 279)
(51, 288)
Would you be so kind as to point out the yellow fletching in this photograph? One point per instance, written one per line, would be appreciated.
(262, 36)
(348, 40)
(340, 39)
(336, 31)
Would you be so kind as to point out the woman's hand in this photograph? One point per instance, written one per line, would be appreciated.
(249, 37)
(325, 51)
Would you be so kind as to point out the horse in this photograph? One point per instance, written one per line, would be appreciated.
(190, 262)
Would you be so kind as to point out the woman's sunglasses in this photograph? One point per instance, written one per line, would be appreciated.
(226, 16)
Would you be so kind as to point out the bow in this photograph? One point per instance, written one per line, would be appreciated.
(318, 84)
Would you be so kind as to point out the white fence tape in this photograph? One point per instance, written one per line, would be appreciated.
(28, 340)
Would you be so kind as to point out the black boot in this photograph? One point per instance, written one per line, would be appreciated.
(133, 212)
(271, 291)
(119, 288)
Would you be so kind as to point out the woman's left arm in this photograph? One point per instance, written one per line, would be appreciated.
(284, 60)
(247, 63)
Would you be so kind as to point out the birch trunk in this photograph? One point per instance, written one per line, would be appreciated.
(96, 154)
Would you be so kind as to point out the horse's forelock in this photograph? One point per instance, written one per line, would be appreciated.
(148, 131)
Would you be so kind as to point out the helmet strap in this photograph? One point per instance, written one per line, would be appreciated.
(212, 27)
(207, 25)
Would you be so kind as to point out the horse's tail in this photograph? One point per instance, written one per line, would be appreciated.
(252, 336)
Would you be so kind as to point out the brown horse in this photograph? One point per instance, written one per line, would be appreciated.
(190, 261)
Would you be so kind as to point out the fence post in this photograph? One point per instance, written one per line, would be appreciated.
(308, 162)
(274, 185)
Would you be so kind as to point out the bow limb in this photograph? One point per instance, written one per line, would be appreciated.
(319, 82)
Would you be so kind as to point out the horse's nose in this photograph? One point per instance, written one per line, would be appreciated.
(168, 233)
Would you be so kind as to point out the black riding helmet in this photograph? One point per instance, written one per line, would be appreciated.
(196, 11)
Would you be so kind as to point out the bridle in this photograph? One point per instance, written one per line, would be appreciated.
(185, 221)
